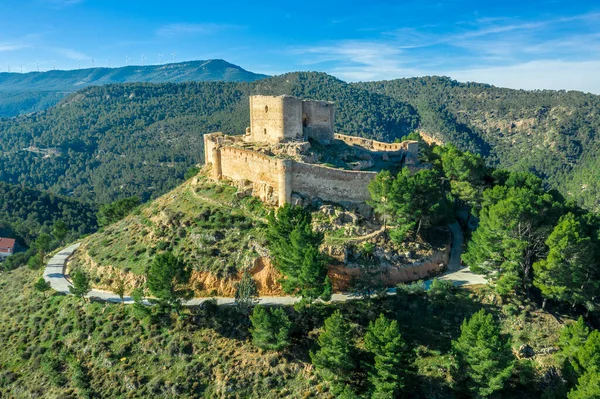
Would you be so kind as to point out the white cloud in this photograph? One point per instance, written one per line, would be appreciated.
(70, 53)
(11, 46)
(185, 29)
(541, 74)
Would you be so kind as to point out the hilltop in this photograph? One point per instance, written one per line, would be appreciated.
(221, 233)
(21, 93)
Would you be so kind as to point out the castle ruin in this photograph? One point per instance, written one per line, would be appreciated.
(286, 155)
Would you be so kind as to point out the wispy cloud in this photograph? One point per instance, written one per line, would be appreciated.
(186, 29)
(547, 74)
(70, 53)
(11, 46)
(356, 59)
(555, 52)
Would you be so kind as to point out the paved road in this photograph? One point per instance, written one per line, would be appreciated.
(54, 274)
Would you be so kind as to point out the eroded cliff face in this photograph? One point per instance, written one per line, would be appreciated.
(204, 284)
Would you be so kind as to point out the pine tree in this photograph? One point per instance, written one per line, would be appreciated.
(568, 273)
(588, 387)
(514, 223)
(81, 284)
(166, 280)
(295, 250)
(384, 341)
(413, 199)
(335, 358)
(484, 359)
(270, 328)
(571, 340)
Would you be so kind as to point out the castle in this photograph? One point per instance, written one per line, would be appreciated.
(276, 161)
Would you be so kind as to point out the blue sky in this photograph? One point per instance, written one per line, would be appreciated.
(526, 44)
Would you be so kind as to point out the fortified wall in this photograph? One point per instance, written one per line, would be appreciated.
(260, 162)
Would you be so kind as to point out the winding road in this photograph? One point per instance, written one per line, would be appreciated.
(54, 273)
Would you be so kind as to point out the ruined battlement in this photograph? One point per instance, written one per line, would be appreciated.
(254, 165)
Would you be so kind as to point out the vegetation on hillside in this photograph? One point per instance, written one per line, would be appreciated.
(126, 140)
(553, 134)
(59, 346)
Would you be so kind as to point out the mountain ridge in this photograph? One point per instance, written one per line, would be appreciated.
(35, 91)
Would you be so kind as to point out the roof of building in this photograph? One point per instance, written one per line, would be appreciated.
(7, 242)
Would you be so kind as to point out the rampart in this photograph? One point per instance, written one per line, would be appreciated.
(274, 179)
(409, 147)
(330, 184)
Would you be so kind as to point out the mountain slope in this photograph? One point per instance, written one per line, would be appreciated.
(33, 91)
(25, 213)
(555, 134)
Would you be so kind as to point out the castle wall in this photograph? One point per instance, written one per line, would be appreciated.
(329, 184)
(274, 119)
(317, 119)
(262, 171)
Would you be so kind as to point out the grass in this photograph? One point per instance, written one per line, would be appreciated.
(56, 346)
(205, 225)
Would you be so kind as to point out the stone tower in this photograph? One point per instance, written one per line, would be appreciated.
(284, 118)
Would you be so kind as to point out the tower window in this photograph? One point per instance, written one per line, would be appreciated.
(266, 108)
(265, 131)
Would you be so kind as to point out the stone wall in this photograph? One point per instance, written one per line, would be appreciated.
(274, 179)
(409, 147)
(275, 119)
(329, 184)
(260, 172)
(317, 119)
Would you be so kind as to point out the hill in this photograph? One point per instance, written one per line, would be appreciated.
(60, 347)
(25, 213)
(554, 134)
(21, 93)
(221, 234)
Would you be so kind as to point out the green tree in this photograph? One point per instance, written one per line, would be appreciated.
(295, 249)
(380, 189)
(270, 328)
(413, 199)
(246, 293)
(571, 340)
(42, 244)
(118, 285)
(111, 213)
(60, 231)
(568, 273)
(167, 278)
(335, 358)
(384, 341)
(42, 286)
(81, 284)
(35, 262)
(484, 360)
(514, 223)
(588, 387)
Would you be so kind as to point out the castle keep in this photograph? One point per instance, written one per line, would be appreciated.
(290, 153)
